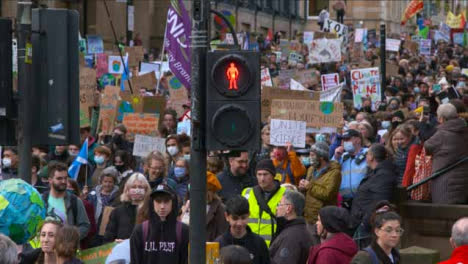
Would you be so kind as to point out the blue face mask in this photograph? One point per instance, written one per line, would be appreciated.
(386, 124)
(187, 157)
(416, 90)
(179, 172)
(305, 161)
(99, 159)
(348, 147)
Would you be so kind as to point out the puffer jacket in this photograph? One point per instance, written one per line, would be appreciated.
(321, 191)
(289, 170)
(448, 145)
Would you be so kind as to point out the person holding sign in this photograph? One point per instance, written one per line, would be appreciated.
(289, 168)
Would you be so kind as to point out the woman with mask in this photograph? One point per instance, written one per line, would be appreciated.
(122, 218)
(181, 175)
(45, 254)
(102, 155)
(322, 182)
(403, 139)
(123, 166)
(383, 249)
(173, 151)
(367, 132)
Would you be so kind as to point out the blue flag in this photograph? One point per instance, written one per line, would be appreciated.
(81, 159)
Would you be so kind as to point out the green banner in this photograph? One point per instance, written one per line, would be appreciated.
(97, 255)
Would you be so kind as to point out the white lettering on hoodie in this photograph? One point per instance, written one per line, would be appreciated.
(163, 247)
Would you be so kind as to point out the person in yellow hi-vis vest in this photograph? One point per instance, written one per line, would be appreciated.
(263, 200)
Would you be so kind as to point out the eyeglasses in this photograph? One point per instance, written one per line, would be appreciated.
(282, 204)
(389, 230)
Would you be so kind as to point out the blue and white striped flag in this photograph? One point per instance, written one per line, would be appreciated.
(81, 159)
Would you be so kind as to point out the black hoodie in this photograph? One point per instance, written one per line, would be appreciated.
(161, 244)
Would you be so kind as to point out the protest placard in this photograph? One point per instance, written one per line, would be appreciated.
(332, 94)
(184, 127)
(325, 50)
(135, 55)
(178, 95)
(141, 123)
(296, 86)
(330, 80)
(284, 78)
(154, 104)
(391, 69)
(146, 67)
(115, 64)
(308, 37)
(95, 44)
(266, 77)
(359, 35)
(146, 81)
(365, 83)
(88, 92)
(458, 38)
(392, 44)
(295, 57)
(269, 93)
(96, 255)
(287, 131)
(425, 47)
(144, 145)
(284, 47)
(84, 118)
(411, 45)
(314, 113)
(438, 35)
(335, 27)
(307, 77)
(102, 65)
(108, 108)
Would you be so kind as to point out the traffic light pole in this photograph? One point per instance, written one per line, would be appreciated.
(200, 42)
(383, 60)
(23, 30)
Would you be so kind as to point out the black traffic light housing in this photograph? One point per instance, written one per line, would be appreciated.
(233, 100)
(7, 107)
(55, 93)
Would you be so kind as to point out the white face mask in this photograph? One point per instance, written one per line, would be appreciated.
(6, 162)
(172, 150)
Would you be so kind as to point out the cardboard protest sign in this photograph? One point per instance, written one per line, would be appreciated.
(330, 80)
(115, 65)
(146, 81)
(438, 35)
(425, 47)
(411, 45)
(146, 67)
(88, 85)
(108, 108)
(84, 119)
(458, 38)
(284, 78)
(391, 69)
(141, 123)
(154, 104)
(102, 65)
(144, 145)
(294, 46)
(332, 94)
(296, 86)
(314, 113)
(392, 44)
(325, 50)
(178, 95)
(268, 94)
(105, 219)
(284, 131)
(96, 255)
(335, 27)
(135, 55)
(266, 77)
(307, 77)
(365, 83)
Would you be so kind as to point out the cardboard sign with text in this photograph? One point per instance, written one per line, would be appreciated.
(141, 123)
(96, 255)
(268, 94)
(392, 44)
(266, 77)
(284, 131)
(365, 83)
(146, 81)
(307, 77)
(315, 113)
(412, 46)
(108, 108)
(325, 50)
(144, 145)
(135, 55)
(178, 95)
(330, 80)
(154, 104)
(88, 85)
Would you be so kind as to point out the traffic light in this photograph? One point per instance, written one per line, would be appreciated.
(7, 111)
(233, 100)
(55, 93)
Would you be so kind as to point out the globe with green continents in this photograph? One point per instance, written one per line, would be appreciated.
(21, 210)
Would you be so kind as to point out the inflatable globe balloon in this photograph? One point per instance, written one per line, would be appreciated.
(21, 210)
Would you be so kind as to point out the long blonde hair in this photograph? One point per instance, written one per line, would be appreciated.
(133, 178)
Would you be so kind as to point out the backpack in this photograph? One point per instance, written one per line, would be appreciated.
(73, 204)
(145, 226)
(372, 254)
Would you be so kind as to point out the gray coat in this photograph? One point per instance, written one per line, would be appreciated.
(448, 145)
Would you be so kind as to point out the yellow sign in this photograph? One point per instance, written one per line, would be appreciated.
(454, 21)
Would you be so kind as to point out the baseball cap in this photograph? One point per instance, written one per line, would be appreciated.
(162, 188)
(350, 133)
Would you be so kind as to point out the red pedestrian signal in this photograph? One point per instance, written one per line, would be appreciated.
(232, 75)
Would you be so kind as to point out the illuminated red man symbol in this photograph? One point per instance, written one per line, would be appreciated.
(232, 75)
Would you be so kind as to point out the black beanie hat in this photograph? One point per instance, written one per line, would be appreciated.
(334, 219)
(266, 164)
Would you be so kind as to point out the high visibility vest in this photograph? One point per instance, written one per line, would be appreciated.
(262, 224)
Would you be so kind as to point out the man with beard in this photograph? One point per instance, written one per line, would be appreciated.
(236, 177)
(65, 205)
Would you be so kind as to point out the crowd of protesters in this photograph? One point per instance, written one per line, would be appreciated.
(331, 202)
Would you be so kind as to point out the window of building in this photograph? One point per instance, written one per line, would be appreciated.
(315, 6)
(245, 27)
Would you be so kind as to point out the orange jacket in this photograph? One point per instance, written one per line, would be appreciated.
(290, 168)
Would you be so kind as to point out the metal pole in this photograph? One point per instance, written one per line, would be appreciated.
(200, 41)
(382, 60)
(24, 90)
(129, 32)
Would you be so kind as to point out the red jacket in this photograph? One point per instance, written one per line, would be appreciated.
(340, 249)
(459, 256)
